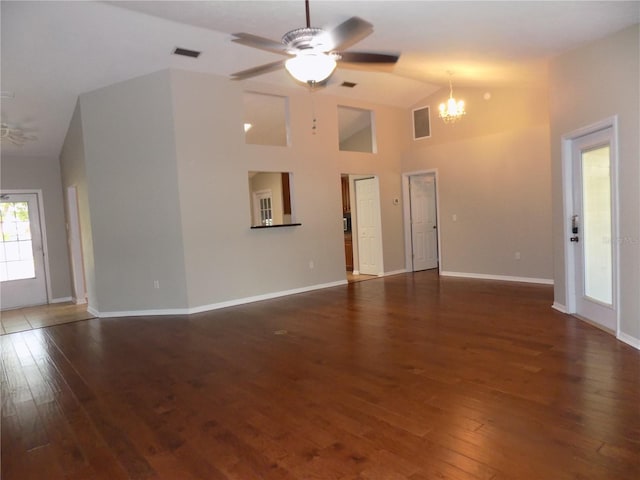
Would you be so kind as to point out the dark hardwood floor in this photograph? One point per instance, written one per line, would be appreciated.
(403, 377)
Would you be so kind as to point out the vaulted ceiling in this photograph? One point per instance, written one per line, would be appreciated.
(53, 51)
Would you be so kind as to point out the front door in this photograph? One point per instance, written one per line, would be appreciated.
(424, 233)
(592, 228)
(22, 274)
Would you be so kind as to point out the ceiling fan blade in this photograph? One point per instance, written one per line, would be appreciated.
(349, 32)
(259, 42)
(255, 71)
(368, 57)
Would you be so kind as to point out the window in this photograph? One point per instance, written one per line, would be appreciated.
(16, 250)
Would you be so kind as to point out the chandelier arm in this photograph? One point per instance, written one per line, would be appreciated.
(451, 111)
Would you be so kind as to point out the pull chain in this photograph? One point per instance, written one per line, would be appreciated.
(314, 121)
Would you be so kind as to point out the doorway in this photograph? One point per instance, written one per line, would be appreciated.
(22, 254)
(590, 193)
(368, 226)
(421, 220)
(362, 226)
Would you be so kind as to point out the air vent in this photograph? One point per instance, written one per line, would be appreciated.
(186, 53)
(348, 84)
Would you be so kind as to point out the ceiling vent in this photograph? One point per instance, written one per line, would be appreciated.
(348, 84)
(186, 52)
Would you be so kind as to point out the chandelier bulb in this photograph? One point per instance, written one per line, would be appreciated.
(452, 110)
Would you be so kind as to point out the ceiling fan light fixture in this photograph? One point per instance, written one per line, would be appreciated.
(311, 67)
(313, 51)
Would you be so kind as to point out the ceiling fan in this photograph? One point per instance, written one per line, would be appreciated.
(14, 135)
(313, 52)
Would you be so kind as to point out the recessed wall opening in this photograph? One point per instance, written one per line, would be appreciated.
(356, 130)
(266, 119)
(270, 197)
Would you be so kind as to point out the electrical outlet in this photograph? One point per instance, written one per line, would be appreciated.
(517, 256)
(156, 284)
(311, 264)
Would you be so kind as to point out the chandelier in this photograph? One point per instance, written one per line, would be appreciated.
(451, 111)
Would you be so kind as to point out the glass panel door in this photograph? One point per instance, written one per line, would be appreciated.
(22, 266)
(16, 250)
(592, 227)
(596, 235)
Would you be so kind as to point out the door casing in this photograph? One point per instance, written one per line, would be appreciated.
(568, 192)
(43, 232)
(406, 201)
(418, 216)
(74, 240)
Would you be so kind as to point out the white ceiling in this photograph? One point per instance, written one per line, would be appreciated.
(53, 51)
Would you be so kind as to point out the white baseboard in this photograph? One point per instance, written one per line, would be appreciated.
(61, 300)
(356, 272)
(629, 340)
(141, 313)
(213, 306)
(266, 296)
(504, 278)
(394, 272)
(623, 337)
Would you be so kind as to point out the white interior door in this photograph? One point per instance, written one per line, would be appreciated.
(262, 208)
(22, 274)
(424, 233)
(368, 226)
(592, 228)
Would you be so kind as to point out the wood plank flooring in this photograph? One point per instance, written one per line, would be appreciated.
(405, 377)
(21, 319)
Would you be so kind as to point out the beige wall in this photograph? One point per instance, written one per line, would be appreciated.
(40, 173)
(172, 146)
(165, 170)
(360, 141)
(588, 85)
(225, 259)
(494, 175)
(130, 162)
(74, 173)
